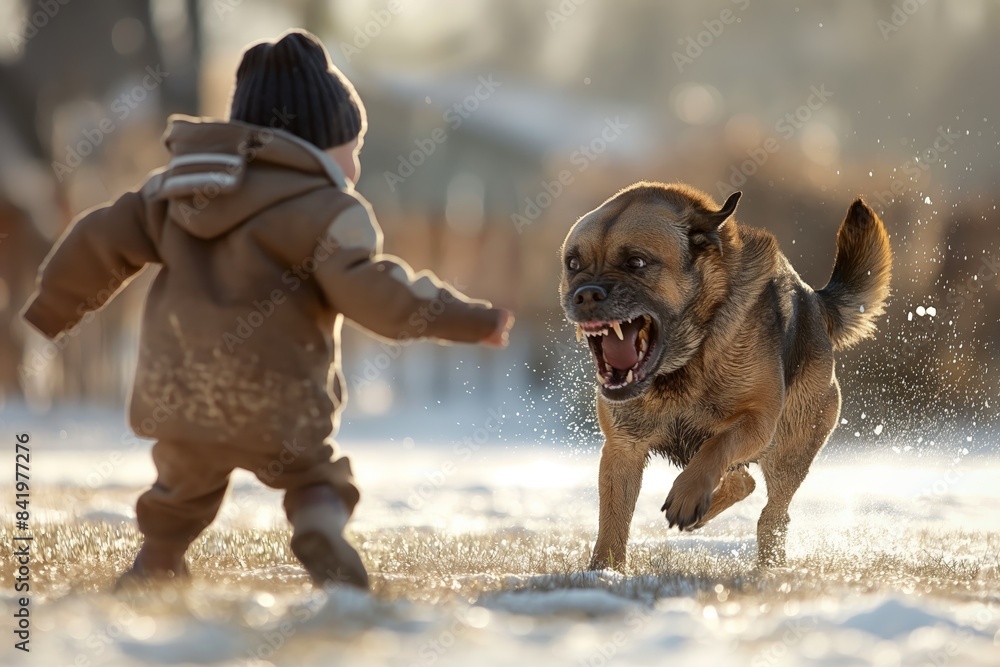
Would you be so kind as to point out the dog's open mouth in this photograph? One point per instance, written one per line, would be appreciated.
(622, 349)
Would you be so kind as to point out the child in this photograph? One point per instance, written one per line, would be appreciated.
(262, 245)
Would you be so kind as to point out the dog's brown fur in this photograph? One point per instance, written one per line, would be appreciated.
(745, 367)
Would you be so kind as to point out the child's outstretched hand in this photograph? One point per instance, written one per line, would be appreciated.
(501, 334)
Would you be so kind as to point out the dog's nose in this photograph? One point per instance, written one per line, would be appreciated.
(589, 294)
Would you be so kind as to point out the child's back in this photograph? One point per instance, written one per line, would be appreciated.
(262, 244)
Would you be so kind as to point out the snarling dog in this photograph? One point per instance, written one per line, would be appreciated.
(712, 352)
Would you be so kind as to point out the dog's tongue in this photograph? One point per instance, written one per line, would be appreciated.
(621, 354)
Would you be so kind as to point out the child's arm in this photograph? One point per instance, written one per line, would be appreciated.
(382, 294)
(95, 258)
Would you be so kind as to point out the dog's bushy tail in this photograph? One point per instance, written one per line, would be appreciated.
(856, 293)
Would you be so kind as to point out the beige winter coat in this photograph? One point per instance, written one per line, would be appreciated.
(261, 248)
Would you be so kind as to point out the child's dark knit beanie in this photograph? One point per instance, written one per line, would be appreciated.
(291, 85)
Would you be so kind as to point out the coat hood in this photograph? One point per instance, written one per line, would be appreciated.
(222, 173)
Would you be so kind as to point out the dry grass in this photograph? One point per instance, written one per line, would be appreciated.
(247, 589)
(435, 567)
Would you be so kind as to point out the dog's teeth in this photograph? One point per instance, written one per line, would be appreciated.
(618, 330)
(628, 378)
(643, 346)
(601, 379)
(579, 333)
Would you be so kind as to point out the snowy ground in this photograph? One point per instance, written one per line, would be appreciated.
(477, 558)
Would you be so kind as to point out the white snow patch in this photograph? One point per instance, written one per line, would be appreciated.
(557, 619)
(588, 602)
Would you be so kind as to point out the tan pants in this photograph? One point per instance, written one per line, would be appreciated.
(192, 480)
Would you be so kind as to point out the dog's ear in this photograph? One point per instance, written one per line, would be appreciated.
(705, 227)
(712, 220)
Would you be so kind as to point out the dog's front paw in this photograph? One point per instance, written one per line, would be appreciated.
(687, 502)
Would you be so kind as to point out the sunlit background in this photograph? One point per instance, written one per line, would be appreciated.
(494, 125)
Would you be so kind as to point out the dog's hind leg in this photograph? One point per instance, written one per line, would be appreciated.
(736, 486)
(801, 433)
(620, 479)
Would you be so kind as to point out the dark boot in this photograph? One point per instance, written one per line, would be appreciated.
(157, 560)
(318, 518)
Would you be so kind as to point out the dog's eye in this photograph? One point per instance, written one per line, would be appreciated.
(636, 262)
(573, 264)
